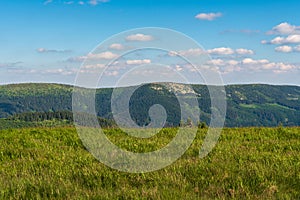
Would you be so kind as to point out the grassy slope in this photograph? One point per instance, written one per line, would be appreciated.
(247, 163)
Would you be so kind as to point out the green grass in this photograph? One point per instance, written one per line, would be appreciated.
(247, 163)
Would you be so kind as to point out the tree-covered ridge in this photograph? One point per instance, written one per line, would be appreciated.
(264, 105)
(29, 89)
(247, 105)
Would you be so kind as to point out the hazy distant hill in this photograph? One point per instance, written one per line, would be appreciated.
(248, 105)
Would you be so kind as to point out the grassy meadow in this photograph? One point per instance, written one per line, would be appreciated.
(247, 163)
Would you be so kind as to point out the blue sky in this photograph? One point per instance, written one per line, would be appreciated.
(249, 41)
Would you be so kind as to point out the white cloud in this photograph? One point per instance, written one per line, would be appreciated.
(285, 67)
(96, 2)
(250, 61)
(116, 46)
(77, 59)
(221, 51)
(139, 37)
(287, 49)
(244, 52)
(233, 62)
(95, 66)
(111, 73)
(189, 52)
(60, 71)
(268, 66)
(221, 62)
(229, 69)
(218, 62)
(225, 66)
(138, 62)
(47, 2)
(69, 2)
(278, 40)
(252, 65)
(104, 55)
(215, 51)
(178, 68)
(291, 39)
(264, 42)
(264, 64)
(285, 29)
(53, 71)
(284, 49)
(44, 50)
(208, 16)
(90, 2)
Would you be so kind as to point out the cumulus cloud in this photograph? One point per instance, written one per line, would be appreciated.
(291, 39)
(90, 2)
(111, 73)
(96, 2)
(139, 37)
(218, 62)
(178, 68)
(138, 62)
(53, 71)
(279, 40)
(284, 49)
(287, 49)
(189, 52)
(285, 29)
(215, 51)
(287, 34)
(208, 16)
(116, 46)
(233, 62)
(58, 71)
(225, 66)
(69, 2)
(221, 51)
(47, 2)
(244, 52)
(264, 42)
(221, 62)
(104, 55)
(264, 64)
(44, 50)
(94, 66)
(251, 61)
(252, 65)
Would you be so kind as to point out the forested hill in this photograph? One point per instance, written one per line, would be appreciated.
(247, 105)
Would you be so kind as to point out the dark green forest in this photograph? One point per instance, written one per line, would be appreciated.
(247, 105)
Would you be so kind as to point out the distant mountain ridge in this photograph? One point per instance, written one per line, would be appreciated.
(247, 105)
